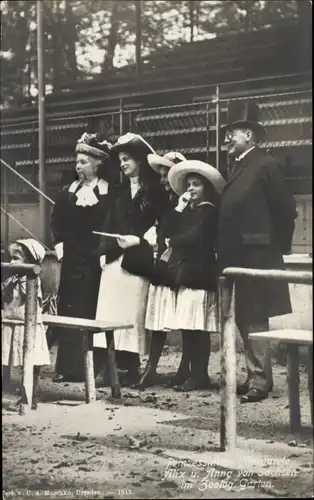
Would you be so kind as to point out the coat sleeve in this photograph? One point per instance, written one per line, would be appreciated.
(281, 203)
(194, 235)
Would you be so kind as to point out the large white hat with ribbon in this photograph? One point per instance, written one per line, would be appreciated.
(168, 160)
(178, 173)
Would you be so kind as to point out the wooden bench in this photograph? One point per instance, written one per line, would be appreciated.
(293, 339)
(87, 328)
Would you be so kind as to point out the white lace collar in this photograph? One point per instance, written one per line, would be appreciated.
(85, 195)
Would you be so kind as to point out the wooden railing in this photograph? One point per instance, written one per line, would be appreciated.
(228, 418)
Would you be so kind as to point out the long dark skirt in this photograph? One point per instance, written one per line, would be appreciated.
(78, 293)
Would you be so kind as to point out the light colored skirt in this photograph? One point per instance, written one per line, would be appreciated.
(122, 298)
(12, 345)
(161, 306)
(195, 310)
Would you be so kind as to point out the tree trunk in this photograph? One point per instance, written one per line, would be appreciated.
(112, 38)
(57, 48)
(71, 35)
(191, 13)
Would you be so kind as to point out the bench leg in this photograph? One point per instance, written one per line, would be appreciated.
(113, 372)
(90, 388)
(310, 377)
(294, 386)
(6, 377)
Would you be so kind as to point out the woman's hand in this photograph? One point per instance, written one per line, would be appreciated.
(183, 201)
(128, 241)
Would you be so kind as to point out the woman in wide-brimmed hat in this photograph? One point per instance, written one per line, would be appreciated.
(192, 264)
(127, 261)
(161, 299)
(78, 211)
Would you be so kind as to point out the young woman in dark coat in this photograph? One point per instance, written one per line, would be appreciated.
(192, 265)
(161, 299)
(127, 261)
(79, 210)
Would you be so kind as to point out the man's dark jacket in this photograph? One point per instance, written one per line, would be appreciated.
(255, 228)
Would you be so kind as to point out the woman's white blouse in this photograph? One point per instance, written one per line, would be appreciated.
(134, 183)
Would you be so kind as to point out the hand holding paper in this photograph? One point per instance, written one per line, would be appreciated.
(128, 241)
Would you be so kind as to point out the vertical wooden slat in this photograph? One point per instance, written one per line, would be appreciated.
(228, 418)
(113, 372)
(29, 332)
(293, 386)
(90, 388)
(310, 377)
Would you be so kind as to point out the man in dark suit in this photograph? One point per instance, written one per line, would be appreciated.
(255, 228)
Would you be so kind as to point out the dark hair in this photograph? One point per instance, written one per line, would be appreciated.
(149, 180)
(210, 193)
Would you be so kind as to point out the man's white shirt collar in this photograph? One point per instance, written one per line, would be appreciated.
(242, 155)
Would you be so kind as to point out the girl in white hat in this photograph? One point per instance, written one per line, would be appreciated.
(192, 265)
(13, 300)
(161, 299)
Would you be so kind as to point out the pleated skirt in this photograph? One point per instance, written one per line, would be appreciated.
(195, 310)
(161, 307)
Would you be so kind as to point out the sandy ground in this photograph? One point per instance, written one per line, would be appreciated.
(155, 444)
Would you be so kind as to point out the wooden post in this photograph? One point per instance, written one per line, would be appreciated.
(113, 372)
(293, 386)
(29, 333)
(6, 377)
(192, 23)
(310, 377)
(90, 388)
(6, 208)
(207, 133)
(121, 128)
(217, 100)
(228, 423)
(41, 120)
(138, 9)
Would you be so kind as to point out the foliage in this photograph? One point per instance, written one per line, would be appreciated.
(83, 38)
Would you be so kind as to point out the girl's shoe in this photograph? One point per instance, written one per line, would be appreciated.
(193, 385)
(178, 379)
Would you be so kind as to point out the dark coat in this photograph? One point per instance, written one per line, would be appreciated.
(131, 217)
(166, 228)
(193, 263)
(80, 270)
(256, 224)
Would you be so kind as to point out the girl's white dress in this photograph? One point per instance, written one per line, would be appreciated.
(161, 306)
(195, 310)
(13, 335)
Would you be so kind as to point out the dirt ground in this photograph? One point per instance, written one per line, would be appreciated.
(155, 444)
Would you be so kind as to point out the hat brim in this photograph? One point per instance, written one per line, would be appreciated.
(135, 144)
(91, 151)
(156, 162)
(257, 127)
(178, 173)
